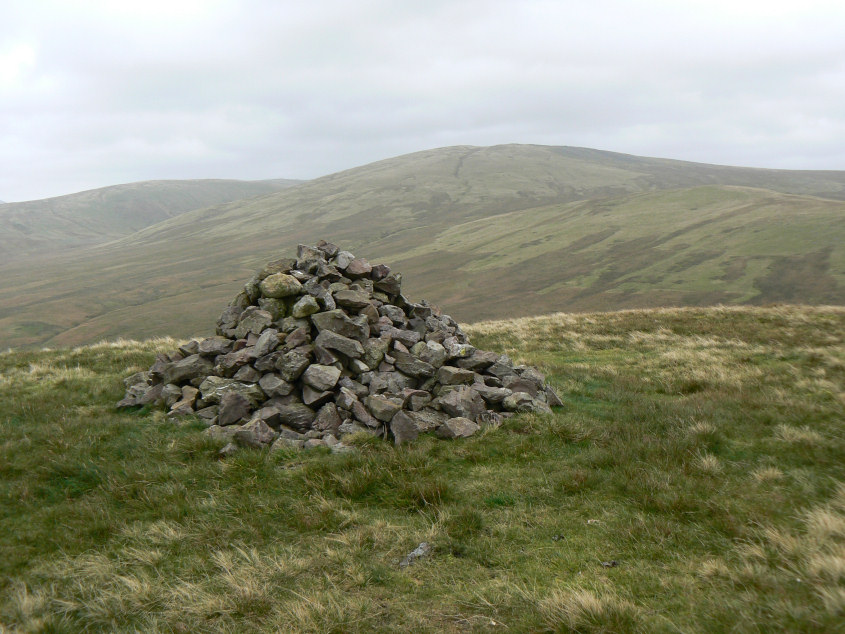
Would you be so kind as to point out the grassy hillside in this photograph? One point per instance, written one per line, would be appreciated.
(694, 481)
(98, 215)
(485, 232)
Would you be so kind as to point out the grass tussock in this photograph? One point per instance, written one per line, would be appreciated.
(689, 483)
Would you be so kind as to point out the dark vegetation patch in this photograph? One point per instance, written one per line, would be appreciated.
(803, 278)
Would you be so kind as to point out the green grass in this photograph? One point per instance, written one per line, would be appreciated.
(702, 450)
(488, 233)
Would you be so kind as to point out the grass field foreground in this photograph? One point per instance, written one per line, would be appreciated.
(694, 481)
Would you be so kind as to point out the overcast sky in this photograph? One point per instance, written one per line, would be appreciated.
(99, 93)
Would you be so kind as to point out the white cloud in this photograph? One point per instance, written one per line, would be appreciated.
(94, 93)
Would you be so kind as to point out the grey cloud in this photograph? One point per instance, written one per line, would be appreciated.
(284, 89)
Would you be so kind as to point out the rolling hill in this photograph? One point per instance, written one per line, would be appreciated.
(492, 232)
(99, 215)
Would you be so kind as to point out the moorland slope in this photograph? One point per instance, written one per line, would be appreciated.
(489, 232)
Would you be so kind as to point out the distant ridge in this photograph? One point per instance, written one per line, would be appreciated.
(486, 232)
(98, 215)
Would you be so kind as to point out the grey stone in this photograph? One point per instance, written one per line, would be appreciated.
(255, 434)
(448, 375)
(220, 433)
(502, 368)
(233, 408)
(358, 267)
(357, 366)
(346, 398)
(355, 387)
(253, 320)
(167, 393)
(349, 427)
(329, 249)
(321, 377)
(213, 388)
(229, 318)
(289, 324)
(552, 398)
(423, 550)
(208, 413)
(277, 308)
(390, 284)
(383, 407)
(457, 350)
(327, 418)
(185, 405)
(313, 443)
(268, 362)
(306, 253)
(428, 419)
(247, 374)
(403, 428)
(229, 450)
(280, 285)
(379, 272)
(533, 375)
(362, 415)
(267, 342)
(518, 384)
(432, 353)
(342, 259)
(519, 402)
(392, 382)
(395, 314)
(305, 306)
(296, 338)
(346, 346)
(458, 427)
(191, 367)
(355, 300)
(338, 322)
(139, 378)
(229, 363)
(493, 395)
(478, 360)
(291, 365)
(410, 365)
(407, 337)
(370, 312)
(287, 443)
(274, 385)
(286, 432)
(315, 398)
(325, 357)
(296, 415)
(282, 265)
(214, 346)
(192, 347)
(415, 400)
(462, 402)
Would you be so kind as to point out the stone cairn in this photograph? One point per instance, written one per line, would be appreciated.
(325, 345)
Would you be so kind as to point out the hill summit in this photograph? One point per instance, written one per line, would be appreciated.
(325, 345)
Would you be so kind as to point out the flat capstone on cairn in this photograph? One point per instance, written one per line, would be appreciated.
(325, 345)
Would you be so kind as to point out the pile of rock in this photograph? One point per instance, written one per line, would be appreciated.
(325, 345)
